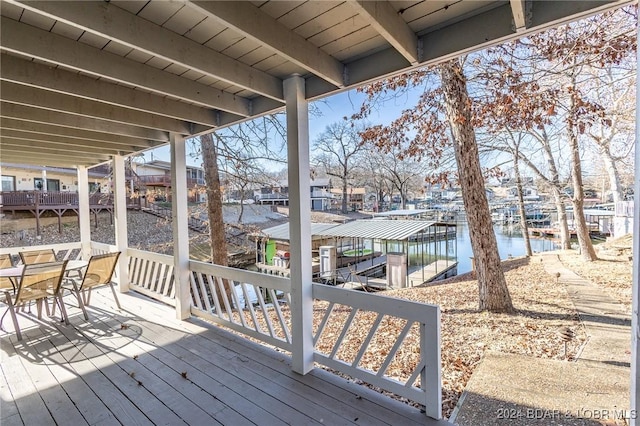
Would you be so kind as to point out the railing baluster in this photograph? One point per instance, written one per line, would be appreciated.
(365, 344)
(345, 329)
(281, 321)
(323, 323)
(392, 353)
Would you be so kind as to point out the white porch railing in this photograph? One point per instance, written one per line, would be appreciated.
(254, 307)
(258, 307)
(151, 274)
(66, 251)
(418, 342)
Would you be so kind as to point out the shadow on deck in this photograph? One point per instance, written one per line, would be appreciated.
(141, 366)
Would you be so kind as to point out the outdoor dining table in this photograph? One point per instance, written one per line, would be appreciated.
(15, 272)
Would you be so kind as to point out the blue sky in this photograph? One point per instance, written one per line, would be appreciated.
(332, 109)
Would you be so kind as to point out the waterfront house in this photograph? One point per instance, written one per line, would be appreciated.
(84, 83)
(27, 177)
(278, 194)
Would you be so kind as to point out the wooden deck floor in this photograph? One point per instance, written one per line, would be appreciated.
(140, 366)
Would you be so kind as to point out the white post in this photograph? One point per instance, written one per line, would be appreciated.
(635, 312)
(299, 223)
(179, 223)
(84, 214)
(44, 180)
(120, 213)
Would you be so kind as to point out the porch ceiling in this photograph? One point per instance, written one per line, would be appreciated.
(82, 82)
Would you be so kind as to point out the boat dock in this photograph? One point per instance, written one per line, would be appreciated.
(433, 271)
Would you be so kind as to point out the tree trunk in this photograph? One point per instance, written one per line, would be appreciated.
(523, 214)
(565, 237)
(579, 221)
(492, 287)
(344, 196)
(612, 172)
(217, 232)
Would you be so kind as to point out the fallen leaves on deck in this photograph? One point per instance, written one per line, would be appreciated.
(543, 310)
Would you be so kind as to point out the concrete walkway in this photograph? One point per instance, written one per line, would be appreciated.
(594, 390)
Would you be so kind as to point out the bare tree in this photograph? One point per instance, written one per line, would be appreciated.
(439, 123)
(492, 287)
(397, 173)
(209, 150)
(336, 151)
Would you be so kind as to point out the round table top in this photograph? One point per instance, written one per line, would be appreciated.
(16, 271)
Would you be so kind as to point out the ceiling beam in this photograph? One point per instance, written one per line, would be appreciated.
(55, 79)
(32, 96)
(250, 21)
(388, 23)
(462, 37)
(20, 145)
(46, 152)
(19, 158)
(114, 23)
(71, 135)
(69, 143)
(31, 41)
(38, 115)
(519, 15)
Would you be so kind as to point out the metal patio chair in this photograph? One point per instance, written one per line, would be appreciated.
(38, 256)
(38, 282)
(98, 273)
(6, 262)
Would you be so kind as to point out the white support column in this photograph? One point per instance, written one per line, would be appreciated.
(84, 214)
(120, 219)
(180, 214)
(635, 312)
(299, 223)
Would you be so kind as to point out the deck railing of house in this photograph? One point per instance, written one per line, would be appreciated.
(419, 339)
(165, 180)
(52, 198)
(152, 274)
(275, 196)
(245, 301)
(66, 251)
(258, 307)
(624, 209)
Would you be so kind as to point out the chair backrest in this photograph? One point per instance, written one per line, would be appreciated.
(100, 270)
(40, 280)
(5, 261)
(38, 256)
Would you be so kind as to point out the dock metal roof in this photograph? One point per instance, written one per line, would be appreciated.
(379, 229)
(281, 232)
(406, 212)
(84, 81)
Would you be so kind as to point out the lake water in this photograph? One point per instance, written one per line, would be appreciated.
(510, 242)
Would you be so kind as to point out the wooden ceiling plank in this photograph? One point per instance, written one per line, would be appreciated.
(27, 95)
(38, 115)
(386, 21)
(26, 72)
(71, 134)
(114, 23)
(30, 41)
(252, 22)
